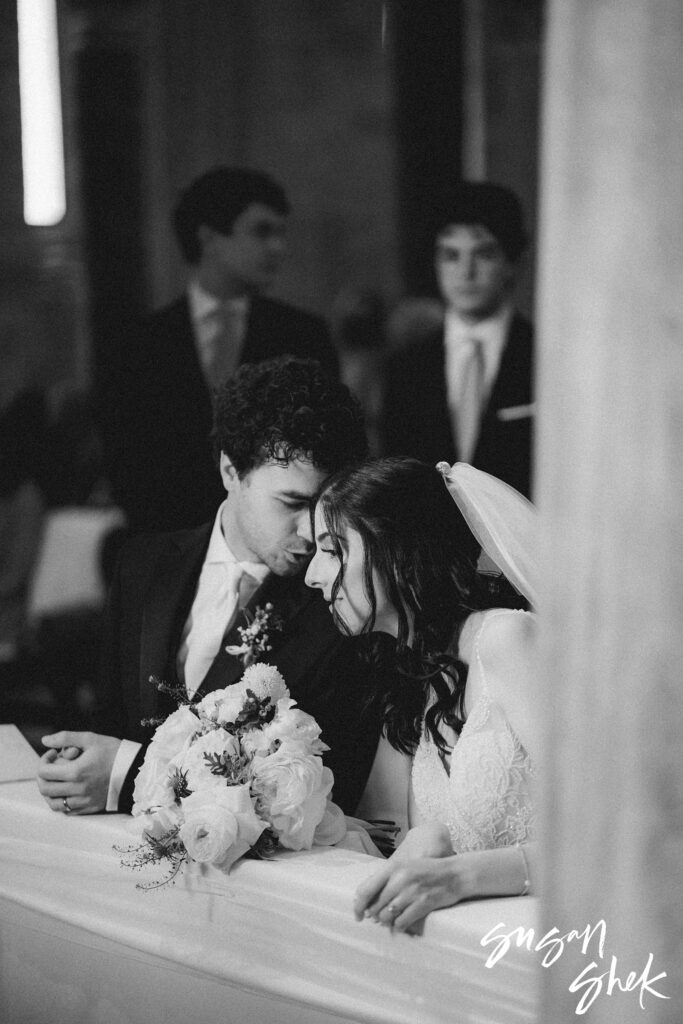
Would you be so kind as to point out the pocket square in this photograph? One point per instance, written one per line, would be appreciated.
(517, 412)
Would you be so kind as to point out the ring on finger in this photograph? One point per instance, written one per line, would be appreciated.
(393, 910)
(65, 805)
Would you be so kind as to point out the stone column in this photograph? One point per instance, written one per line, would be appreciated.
(610, 473)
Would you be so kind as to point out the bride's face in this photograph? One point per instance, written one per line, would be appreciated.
(351, 605)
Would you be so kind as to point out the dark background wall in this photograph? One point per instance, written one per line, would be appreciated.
(355, 105)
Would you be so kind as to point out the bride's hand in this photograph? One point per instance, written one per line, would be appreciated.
(432, 840)
(402, 893)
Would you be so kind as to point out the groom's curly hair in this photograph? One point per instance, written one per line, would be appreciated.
(284, 409)
(419, 548)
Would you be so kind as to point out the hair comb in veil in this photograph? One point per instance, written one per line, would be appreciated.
(504, 522)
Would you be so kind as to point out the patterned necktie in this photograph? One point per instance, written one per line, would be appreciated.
(470, 401)
(225, 347)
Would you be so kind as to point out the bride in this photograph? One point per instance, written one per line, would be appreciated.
(395, 555)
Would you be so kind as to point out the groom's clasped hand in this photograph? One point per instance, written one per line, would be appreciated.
(75, 771)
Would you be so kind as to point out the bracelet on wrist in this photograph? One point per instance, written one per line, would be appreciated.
(526, 887)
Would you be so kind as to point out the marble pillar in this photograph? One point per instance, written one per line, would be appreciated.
(610, 487)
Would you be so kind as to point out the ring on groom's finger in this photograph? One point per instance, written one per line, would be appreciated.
(65, 805)
(392, 909)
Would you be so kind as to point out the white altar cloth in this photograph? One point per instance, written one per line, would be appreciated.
(272, 941)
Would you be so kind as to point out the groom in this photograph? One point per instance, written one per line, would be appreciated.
(179, 599)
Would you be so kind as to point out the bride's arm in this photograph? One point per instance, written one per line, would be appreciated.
(403, 893)
(421, 876)
(507, 647)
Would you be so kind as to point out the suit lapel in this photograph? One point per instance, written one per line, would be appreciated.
(433, 405)
(166, 608)
(513, 381)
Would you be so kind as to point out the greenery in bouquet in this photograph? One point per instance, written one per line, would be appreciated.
(238, 773)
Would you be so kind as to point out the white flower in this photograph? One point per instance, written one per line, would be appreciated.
(264, 681)
(255, 635)
(222, 706)
(153, 786)
(158, 824)
(292, 788)
(172, 734)
(220, 825)
(290, 723)
(192, 761)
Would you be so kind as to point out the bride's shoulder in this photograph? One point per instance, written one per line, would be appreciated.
(496, 635)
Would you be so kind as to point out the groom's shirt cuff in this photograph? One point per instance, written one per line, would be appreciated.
(125, 756)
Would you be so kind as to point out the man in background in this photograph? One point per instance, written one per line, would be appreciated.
(178, 599)
(230, 225)
(465, 391)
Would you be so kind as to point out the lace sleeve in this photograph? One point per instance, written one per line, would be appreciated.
(504, 649)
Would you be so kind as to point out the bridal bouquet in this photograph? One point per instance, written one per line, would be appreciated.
(238, 773)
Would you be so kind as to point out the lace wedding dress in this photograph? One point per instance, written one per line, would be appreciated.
(485, 796)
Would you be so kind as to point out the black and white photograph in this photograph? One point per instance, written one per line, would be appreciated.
(341, 475)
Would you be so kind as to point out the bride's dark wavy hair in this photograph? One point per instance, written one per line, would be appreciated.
(423, 553)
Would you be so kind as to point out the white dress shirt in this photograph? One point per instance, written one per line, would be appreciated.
(215, 607)
(212, 614)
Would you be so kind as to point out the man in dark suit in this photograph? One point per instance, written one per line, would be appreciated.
(179, 599)
(465, 391)
(230, 224)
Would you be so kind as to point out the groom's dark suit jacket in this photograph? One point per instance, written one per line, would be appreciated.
(158, 409)
(148, 605)
(417, 420)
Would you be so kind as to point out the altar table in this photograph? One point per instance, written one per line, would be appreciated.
(273, 941)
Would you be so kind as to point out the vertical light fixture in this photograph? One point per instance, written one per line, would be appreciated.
(42, 145)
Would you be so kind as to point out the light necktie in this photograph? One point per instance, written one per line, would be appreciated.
(213, 619)
(225, 347)
(470, 401)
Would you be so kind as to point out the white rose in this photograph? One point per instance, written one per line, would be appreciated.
(229, 708)
(173, 734)
(221, 705)
(153, 786)
(192, 760)
(220, 825)
(292, 788)
(290, 723)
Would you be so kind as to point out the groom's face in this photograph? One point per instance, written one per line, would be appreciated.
(267, 517)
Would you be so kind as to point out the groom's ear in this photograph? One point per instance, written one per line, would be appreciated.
(228, 471)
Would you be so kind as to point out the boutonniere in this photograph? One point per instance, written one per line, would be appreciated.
(255, 636)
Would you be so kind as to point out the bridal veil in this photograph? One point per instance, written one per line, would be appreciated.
(504, 522)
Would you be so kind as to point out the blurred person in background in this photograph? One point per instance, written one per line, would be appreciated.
(68, 588)
(75, 454)
(23, 432)
(230, 225)
(464, 390)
